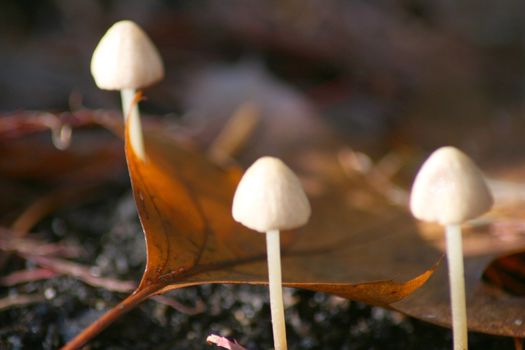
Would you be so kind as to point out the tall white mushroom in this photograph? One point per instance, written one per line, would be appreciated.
(125, 59)
(450, 189)
(270, 198)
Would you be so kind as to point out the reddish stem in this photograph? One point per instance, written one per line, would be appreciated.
(110, 316)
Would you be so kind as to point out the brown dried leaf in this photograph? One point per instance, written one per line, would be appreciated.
(184, 203)
(498, 148)
(185, 207)
(493, 307)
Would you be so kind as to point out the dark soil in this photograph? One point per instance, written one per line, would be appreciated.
(108, 231)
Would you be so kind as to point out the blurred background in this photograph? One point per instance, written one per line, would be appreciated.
(372, 69)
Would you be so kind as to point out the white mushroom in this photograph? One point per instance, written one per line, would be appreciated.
(450, 189)
(270, 198)
(125, 59)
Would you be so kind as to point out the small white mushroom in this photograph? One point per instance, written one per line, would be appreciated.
(125, 59)
(450, 189)
(270, 198)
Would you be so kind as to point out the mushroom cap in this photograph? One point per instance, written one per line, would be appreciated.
(270, 197)
(449, 189)
(125, 58)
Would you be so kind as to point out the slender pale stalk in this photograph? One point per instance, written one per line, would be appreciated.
(131, 110)
(273, 251)
(457, 286)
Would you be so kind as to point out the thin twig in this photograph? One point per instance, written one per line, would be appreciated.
(25, 276)
(36, 247)
(235, 133)
(40, 252)
(377, 175)
(19, 300)
(42, 207)
(81, 272)
(14, 125)
(198, 308)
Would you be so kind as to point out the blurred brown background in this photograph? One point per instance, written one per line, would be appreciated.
(366, 67)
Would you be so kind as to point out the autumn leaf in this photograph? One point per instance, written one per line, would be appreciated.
(365, 240)
(184, 203)
(493, 276)
(197, 241)
(369, 229)
(497, 236)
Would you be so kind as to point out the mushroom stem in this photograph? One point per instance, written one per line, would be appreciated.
(273, 251)
(130, 110)
(457, 286)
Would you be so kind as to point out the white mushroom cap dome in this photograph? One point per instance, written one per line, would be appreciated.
(449, 189)
(125, 58)
(270, 197)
